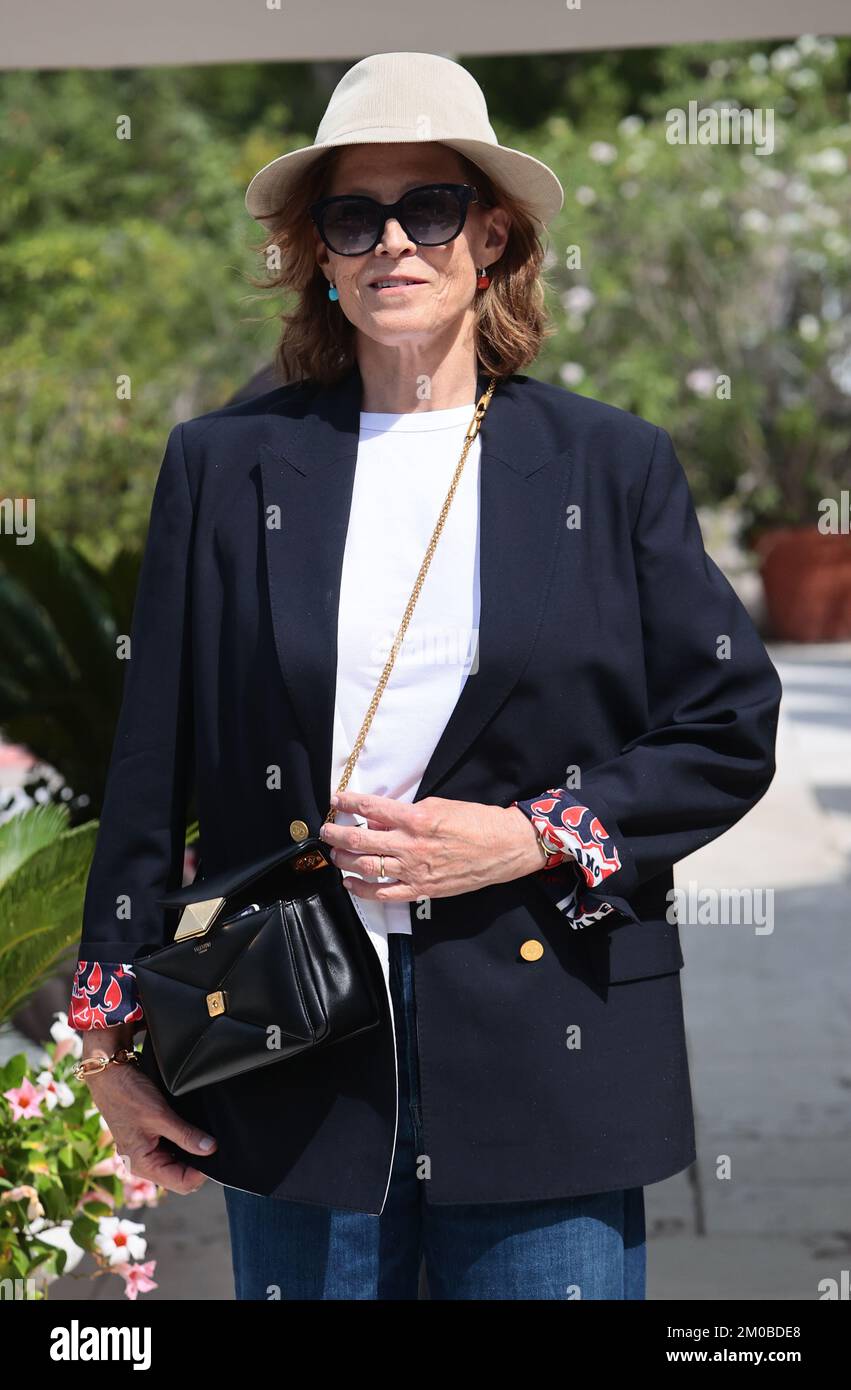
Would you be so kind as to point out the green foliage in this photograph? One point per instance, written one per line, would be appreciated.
(43, 872)
(119, 258)
(61, 682)
(131, 258)
(59, 1171)
(700, 262)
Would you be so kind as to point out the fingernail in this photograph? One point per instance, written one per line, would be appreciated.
(206, 1143)
(335, 800)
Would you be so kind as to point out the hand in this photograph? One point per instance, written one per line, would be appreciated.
(435, 848)
(138, 1117)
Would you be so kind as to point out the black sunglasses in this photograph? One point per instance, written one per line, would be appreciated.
(351, 224)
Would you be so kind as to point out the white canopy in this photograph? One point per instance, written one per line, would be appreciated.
(140, 33)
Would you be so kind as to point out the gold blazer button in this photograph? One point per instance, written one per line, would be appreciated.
(531, 950)
(298, 830)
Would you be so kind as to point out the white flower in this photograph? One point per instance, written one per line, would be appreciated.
(755, 220)
(840, 372)
(790, 222)
(630, 189)
(799, 191)
(809, 327)
(719, 67)
(810, 260)
(807, 44)
(710, 198)
(119, 1240)
(770, 178)
(782, 59)
(701, 381)
(571, 373)
(55, 1092)
(630, 125)
(579, 300)
(61, 1033)
(585, 196)
(758, 62)
(820, 216)
(804, 77)
(811, 47)
(602, 152)
(637, 161)
(830, 160)
(837, 244)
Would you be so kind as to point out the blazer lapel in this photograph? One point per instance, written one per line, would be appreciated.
(307, 467)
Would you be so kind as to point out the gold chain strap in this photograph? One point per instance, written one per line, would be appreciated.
(472, 431)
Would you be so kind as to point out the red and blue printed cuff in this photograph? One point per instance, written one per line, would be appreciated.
(573, 832)
(104, 993)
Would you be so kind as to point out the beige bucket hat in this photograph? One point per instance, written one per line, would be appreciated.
(389, 98)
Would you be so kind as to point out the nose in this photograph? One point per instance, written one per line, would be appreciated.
(394, 237)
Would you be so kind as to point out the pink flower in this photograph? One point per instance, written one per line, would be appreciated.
(139, 1192)
(25, 1100)
(97, 1194)
(55, 1092)
(111, 1166)
(25, 1194)
(137, 1278)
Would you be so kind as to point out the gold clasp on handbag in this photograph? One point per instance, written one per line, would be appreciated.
(217, 1003)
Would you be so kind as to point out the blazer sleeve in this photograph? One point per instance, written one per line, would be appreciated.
(140, 844)
(713, 698)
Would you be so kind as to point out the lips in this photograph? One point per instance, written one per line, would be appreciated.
(388, 282)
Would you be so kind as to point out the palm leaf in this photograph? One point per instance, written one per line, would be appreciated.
(41, 906)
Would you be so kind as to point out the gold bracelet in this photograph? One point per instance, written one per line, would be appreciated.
(90, 1065)
(549, 853)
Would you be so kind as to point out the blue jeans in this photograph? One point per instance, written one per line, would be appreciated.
(573, 1247)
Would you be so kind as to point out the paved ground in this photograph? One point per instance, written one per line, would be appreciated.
(769, 1024)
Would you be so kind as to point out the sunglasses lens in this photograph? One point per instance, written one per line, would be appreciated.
(432, 215)
(350, 226)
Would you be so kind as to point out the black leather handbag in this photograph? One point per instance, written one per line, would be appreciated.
(270, 959)
(267, 961)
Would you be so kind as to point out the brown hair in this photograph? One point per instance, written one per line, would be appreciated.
(318, 341)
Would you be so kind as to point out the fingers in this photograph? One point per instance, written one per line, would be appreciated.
(160, 1166)
(382, 892)
(386, 809)
(369, 864)
(186, 1136)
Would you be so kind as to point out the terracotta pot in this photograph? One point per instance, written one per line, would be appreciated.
(806, 576)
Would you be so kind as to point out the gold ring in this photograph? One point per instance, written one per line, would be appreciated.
(381, 873)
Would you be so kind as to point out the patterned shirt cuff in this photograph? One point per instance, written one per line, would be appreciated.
(581, 841)
(104, 993)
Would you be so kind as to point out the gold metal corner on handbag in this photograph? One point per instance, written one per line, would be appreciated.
(197, 918)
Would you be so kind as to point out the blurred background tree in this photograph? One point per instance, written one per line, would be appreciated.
(132, 258)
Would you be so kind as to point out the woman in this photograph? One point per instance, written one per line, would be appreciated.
(584, 702)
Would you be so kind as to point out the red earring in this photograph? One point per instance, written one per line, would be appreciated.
(482, 278)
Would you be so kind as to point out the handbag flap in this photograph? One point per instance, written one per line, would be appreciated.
(228, 881)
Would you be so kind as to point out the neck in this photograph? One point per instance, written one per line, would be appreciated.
(398, 381)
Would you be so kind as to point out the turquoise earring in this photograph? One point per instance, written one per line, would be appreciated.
(333, 292)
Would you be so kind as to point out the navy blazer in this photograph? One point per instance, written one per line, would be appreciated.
(617, 669)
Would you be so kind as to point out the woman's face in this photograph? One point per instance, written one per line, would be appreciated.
(447, 273)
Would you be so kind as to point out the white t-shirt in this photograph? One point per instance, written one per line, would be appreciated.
(405, 464)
